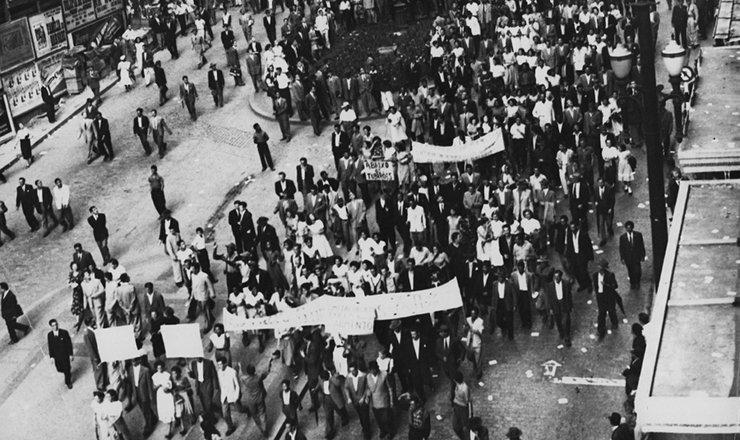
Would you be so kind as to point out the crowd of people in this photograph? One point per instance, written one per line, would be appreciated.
(536, 73)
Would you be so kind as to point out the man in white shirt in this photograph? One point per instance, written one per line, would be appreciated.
(474, 327)
(417, 221)
(228, 383)
(201, 291)
(61, 202)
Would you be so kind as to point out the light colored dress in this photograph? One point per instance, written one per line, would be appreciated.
(625, 170)
(396, 127)
(320, 243)
(405, 167)
(125, 68)
(165, 398)
(452, 226)
(483, 247)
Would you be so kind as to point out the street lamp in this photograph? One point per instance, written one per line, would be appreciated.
(674, 58)
(621, 62)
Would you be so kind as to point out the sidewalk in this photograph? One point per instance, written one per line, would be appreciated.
(40, 128)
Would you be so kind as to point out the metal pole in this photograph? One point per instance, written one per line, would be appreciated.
(651, 127)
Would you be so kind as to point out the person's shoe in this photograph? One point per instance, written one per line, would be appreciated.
(230, 431)
(479, 375)
(69, 386)
(47, 232)
(272, 169)
(568, 343)
(264, 169)
(602, 243)
(183, 432)
(12, 342)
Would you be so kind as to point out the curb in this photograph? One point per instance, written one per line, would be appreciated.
(60, 123)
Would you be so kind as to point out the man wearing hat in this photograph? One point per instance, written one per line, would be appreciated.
(347, 117)
(514, 433)
(606, 285)
(476, 430)
(216, 84)
(620, 431)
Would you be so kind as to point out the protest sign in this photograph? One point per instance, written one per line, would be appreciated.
(182, 340)
(379, 170)
(485, 146)
(116, 343)
(354, 316)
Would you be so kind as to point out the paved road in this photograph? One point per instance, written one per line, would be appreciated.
(207, 165)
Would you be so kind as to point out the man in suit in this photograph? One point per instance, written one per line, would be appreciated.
(620, 430)
(384, 217)
(143, 391)
(269, 23)
(260, 278)
(443, 132)
(397, 337)
(60, 351)
(158, 127)
(339, 144)
(579, 252)
(48, 97)
(438, 212)
(128, 301)
(418, 354)
(330, 388)
(282, 110)
(102, 134)
(502, 305)
(523, 283)
(604, 207)
(380, 393)
(304, 178)
(153, 301)
(414, 277)
(230, 392)
(97, 222)
(100, 370)
(227, 38)
(483, 283)
(632, 253)
(203, 373)
(314, 110)
(291, 430)
(449, 352)
(505, 201)
(254, 65)
(82, 258)
(188, 96)
(559, 302)
(45, 207)
(10, 311)
(605, 284)
(351, 91)
(355, 386)
(248, 233)
(313, 350)
(580, 197)
(216, 84)
(476, 431)
(284, 186)
(235, 219)
(25, 197)
(141, 130)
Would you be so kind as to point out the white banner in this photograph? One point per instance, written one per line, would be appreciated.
(116, 343)
(379, 170)
(182, 340)
(485, 146)
(354, 316)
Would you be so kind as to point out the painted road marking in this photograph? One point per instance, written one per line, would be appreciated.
(596, 381)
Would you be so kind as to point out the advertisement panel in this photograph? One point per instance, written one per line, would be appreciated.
(105, 7)
(16, 47)
(6, 122)
(103, 32)
(47, 31)
(78, 13)
(51, 73)
(23, 89)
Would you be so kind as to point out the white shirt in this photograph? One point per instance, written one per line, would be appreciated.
(199, 242)
(137, 369)
(61, 196)
(286, 397)
(416, 343)
(501, 290)
(559, 290)
(229, 385)
(416, 219)
(575, 242)
(199, 367)
(522, 278)
(601, 283)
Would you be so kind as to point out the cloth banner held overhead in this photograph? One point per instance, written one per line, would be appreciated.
(116, 343)
(485, 146)
(182, 340)
(354, 316)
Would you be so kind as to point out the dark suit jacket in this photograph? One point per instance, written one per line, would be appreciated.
(60, 349)
(584, 245)
(308, 184)
(142, 129)
(623, 432)
(47, 96)
(420, 364)
(269, 22)
(163, 233)
(509, 296)
(156, 304)
(352, 91)
(262, 280)
(608, 297)
(631, 253)
(215, 80)
(289, 188)
(606, 202)
(8, 306)
(449, 360)
(84, 260)
(384, 215)
(47, 200)
(421, 279)
(145, 393)
(564, 305)
(483, 291)
(227, 39)
(26, 196)
(584, 195)
(102, 130)
(100, 230)
(209, 386)
(339, 143)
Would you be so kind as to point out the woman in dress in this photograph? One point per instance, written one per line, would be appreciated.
(405, 168)
(320, 242)
(692, 29)
(395, 126)
(112, 414)
(440, 260)
(483, 246)
(139, 48)
(23, 140)
(155, 325)
(98, 409)
(124, 72)
(183, 392)
(78, 300)
(453, 222)
(625, 169)
(165, 399)
(274, 258)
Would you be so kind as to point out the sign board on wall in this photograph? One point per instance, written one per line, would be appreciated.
(102, 32)
(51, 73)
(16, 47)
(23, 89)
(78, 13)
(105, 7)
(6, 121)
(47, 31)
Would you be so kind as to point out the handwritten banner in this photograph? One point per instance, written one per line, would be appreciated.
(379, 170)
(354, 316)
(485, 146)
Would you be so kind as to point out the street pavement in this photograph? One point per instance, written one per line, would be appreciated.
(209, 164)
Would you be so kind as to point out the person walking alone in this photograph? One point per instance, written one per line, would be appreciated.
(60, 351)
(25, 198)
(4, 223)
(282, 113)
(141, 130)
(188, 96)
(158, 126)
(160, 79)
(102, 134)
(10, 311)
(260, 139)
(61, 201)
(216, 84)
(156, 187)
(97, 222)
